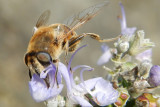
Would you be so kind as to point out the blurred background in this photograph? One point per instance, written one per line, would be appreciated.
(18, 17)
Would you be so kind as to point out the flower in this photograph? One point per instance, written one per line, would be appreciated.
(40, 91)
(124, 29)
(105, 57)
(154, 79)
(102, 91)
(45, 87)
(98, 88)
(122, 46)
(139, 44)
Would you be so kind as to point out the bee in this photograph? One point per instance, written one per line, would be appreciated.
(50, 41)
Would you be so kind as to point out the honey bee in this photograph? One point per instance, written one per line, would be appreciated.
(49, 42)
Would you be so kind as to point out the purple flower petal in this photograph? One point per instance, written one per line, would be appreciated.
(50, 71)
(103, 93)
(69, 64)
(84, 69)
(123, 20)
(98, 91)
(90, 84)
(64, 71)
(104, 48)
(80, 66)
(104, 58)
(73, 70)
(154, 77)
(101, 90)
(76, 95)
(45, 72)
(128, 31)
(39, 90)
(124, 29)
(51, 67)
(146, 55)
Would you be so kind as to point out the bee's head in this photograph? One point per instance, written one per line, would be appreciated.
(37, 61)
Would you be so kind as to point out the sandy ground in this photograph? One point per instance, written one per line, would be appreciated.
(18, 17)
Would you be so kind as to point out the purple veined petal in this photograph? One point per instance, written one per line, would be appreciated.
(154, 76)
(64, 71)
(50, 71)
(39, 90)
(104, 58)
(79, 88)
(73, 70)
(37, 80)
(78, 91)
(80, 66)
(103, 93)
(69, 64)
(146, 55)
(56, 90)
(81, 73)
(51, 67)
(101, 90)
(59, 78)
(89, 84)
(44, 73)
(51, 76)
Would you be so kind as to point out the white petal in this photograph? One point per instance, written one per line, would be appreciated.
(104, 58)
(80, 100)
(103, 92)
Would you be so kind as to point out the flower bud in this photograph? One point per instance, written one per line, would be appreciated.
(123, 47)
(154, 76)
(139, 44)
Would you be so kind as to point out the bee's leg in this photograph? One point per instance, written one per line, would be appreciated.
(66, 52)
(57, 74)
(74, 41)
(65, 48)
(97, 37)
(56, 63)
(65, 59)
(30, 74)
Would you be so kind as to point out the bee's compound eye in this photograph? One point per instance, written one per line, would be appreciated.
(44, 57)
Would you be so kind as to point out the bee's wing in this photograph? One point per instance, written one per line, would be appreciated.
(82, 17)
(43, 19)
